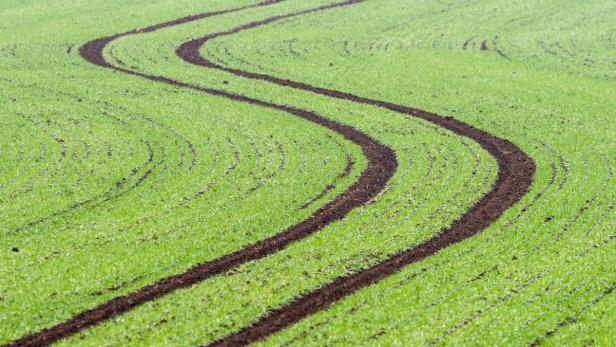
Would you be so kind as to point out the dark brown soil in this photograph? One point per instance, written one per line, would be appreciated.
(516, 170)
(381, 166)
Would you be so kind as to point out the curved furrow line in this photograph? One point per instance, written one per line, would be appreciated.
(382, 164)
(346, 171)
(518, 289)
(28, 185)
(583, 211)
(47, 173)
(344, 174)
(184, 139)
(532, 203)
(266, 157)
(407, 205)
(515, 175)
(230, 198)
(205, 187)
(572, 319)
(114, 191)
(596, 219)
(52, 176)
(183, 202)
(118, 188)
(9, 179)
(429, 178)
(399, 210)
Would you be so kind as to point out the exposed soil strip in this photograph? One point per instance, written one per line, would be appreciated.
(515, 175)
(501, 53)
(465, 44)
(484, 45)
(381, 166)
(516, 170)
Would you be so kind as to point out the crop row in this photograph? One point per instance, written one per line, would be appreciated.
(121, 181)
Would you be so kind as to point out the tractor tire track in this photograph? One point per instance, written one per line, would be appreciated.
(516, 170)
(382, 164)
(515, 175)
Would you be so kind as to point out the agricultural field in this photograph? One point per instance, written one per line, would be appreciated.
(307, 173)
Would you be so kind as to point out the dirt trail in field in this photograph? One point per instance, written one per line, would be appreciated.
(515, 175)
(516, 170)
(381, 166)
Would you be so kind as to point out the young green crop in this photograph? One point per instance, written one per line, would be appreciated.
(115, 264)
(545, 84)
(112, 183)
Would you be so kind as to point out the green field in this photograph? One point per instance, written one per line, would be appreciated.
(112, 179)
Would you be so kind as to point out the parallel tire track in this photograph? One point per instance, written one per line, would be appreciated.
(515, 175)
(516, 170)
(382, 164)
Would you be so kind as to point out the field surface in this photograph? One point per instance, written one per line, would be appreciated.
(307, 173)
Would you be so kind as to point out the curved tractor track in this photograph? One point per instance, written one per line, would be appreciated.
(515, 173)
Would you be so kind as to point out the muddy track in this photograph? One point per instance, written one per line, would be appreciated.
(382, 164)
(515, 175)
(516, 170)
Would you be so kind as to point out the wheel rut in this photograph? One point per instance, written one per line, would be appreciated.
(382, 164)
(515, 174)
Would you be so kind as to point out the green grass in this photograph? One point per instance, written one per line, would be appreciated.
(133, 150)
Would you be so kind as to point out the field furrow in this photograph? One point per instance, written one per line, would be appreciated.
(242, 172)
